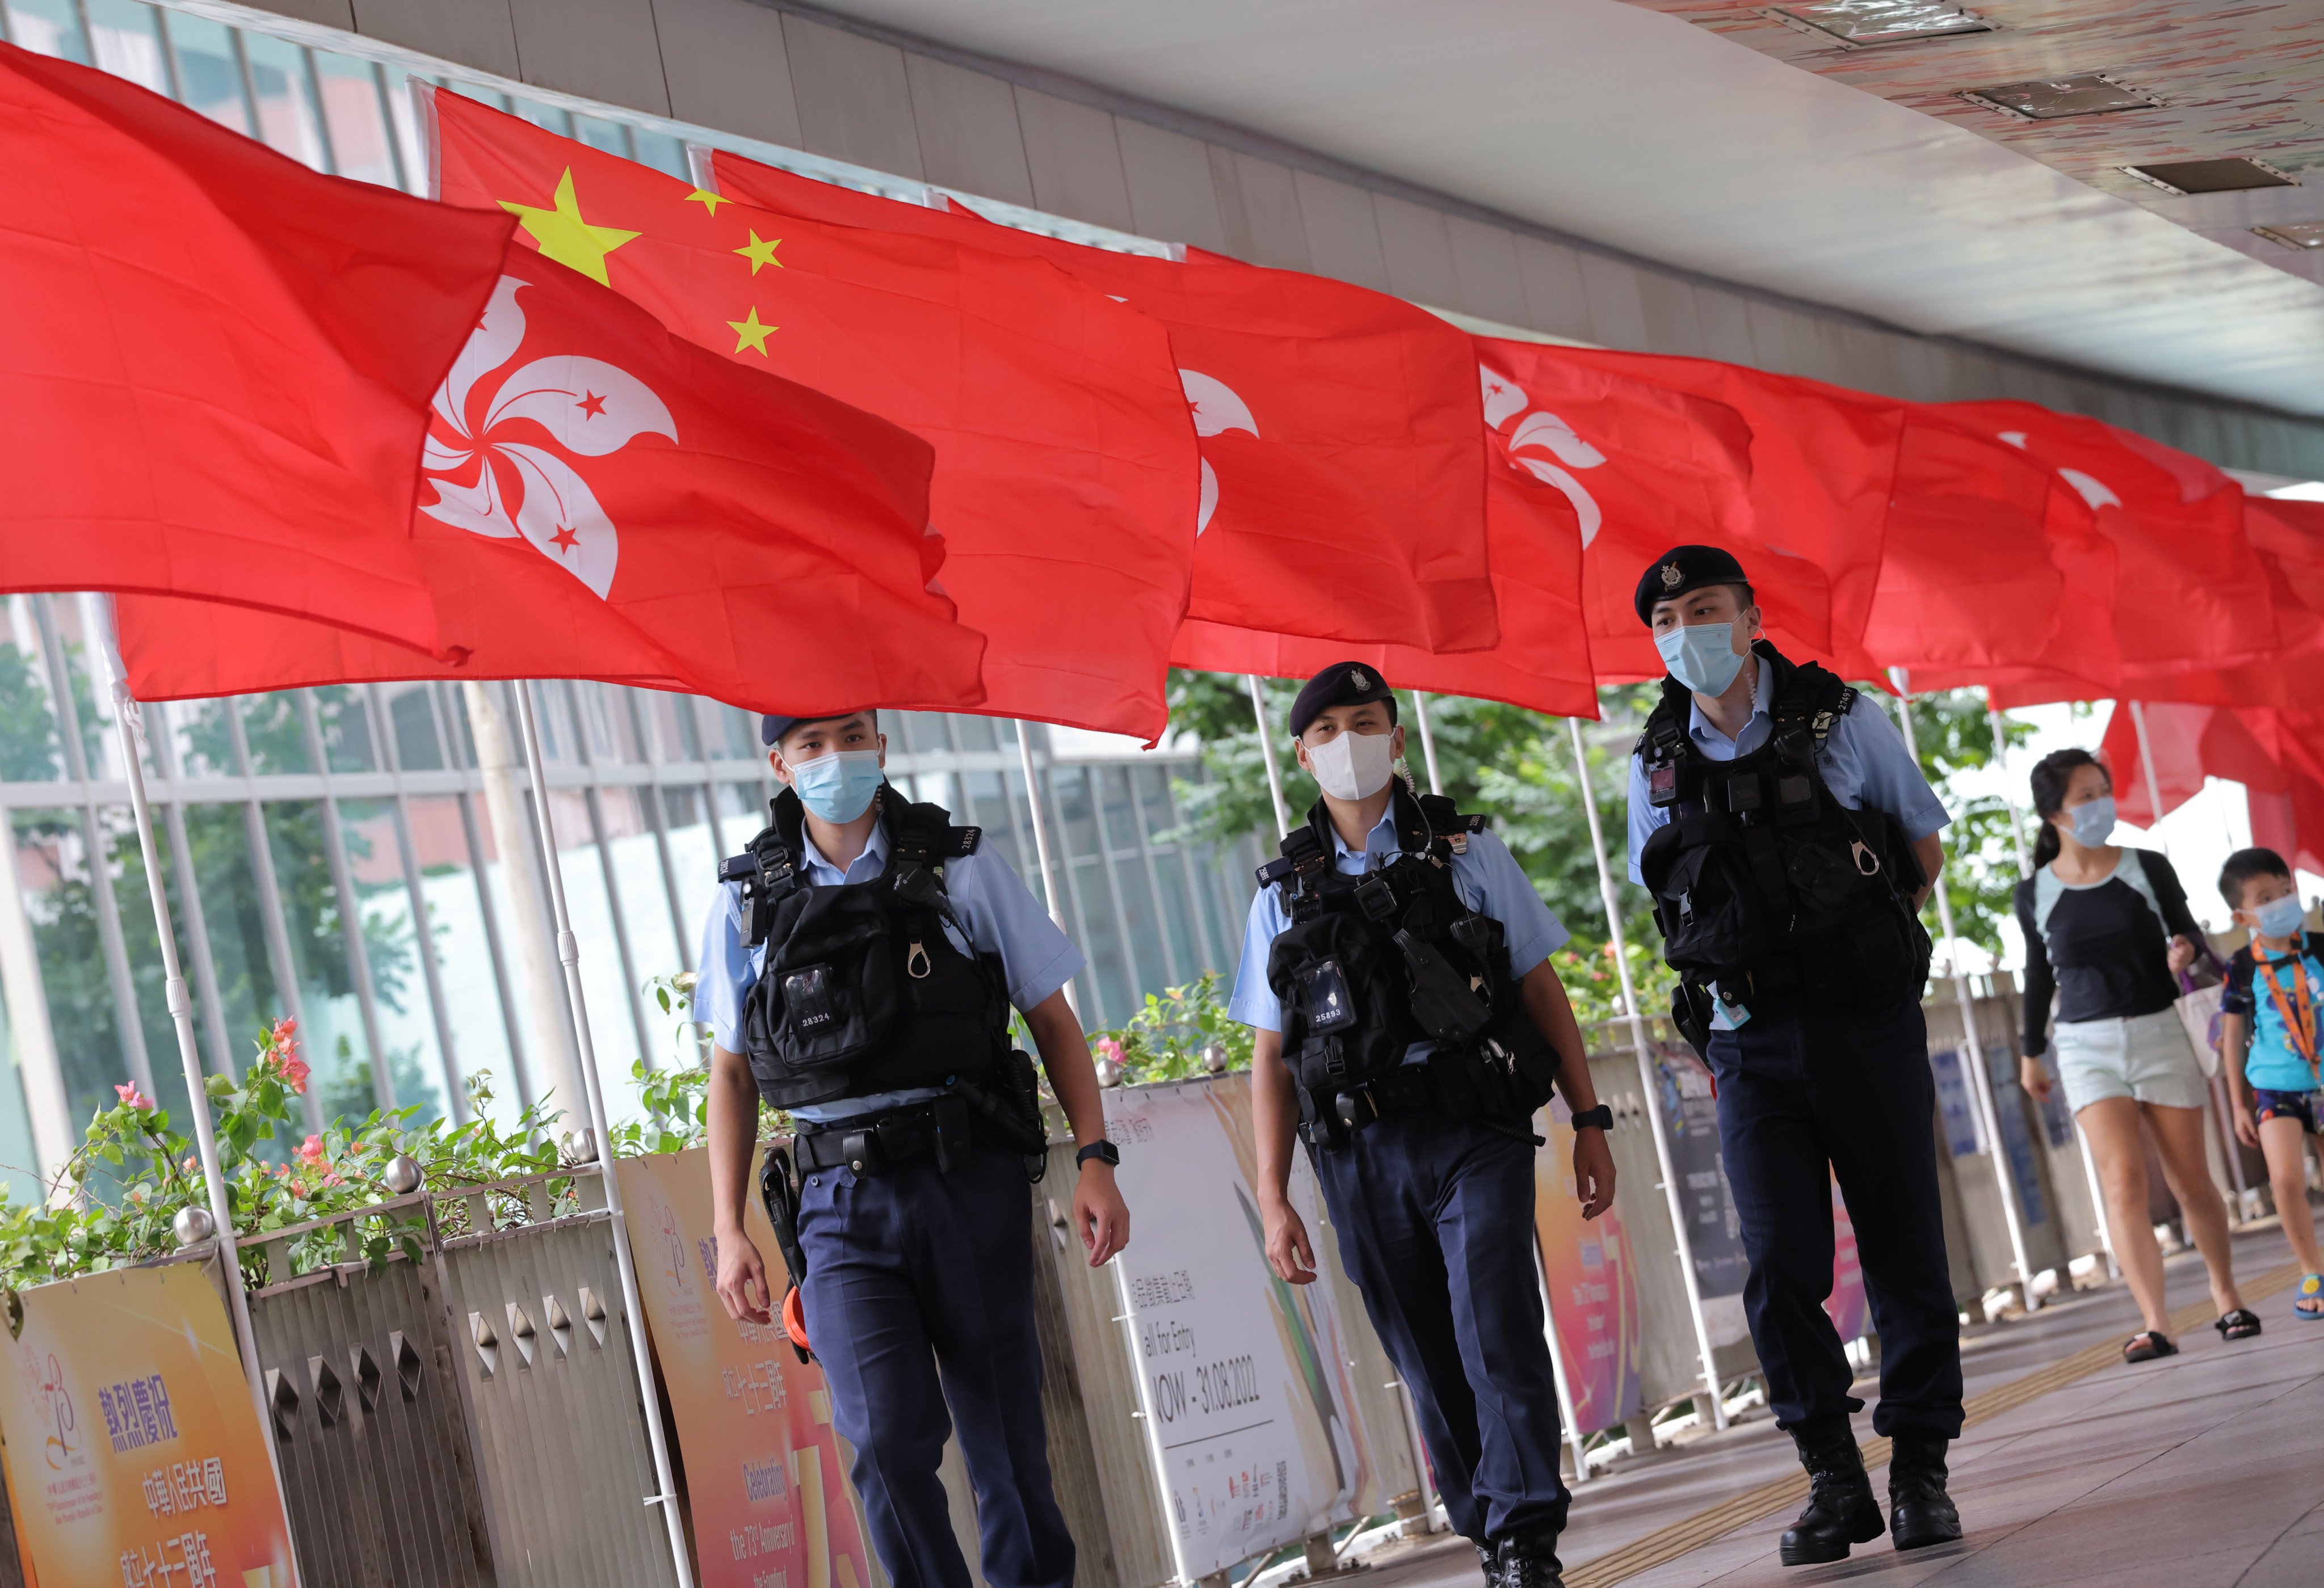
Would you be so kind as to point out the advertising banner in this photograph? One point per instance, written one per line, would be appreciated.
(1592, 1276)
(766, 1475)
(1849, 1311)
(133, 1452)
(1691, 1114)
(1247, 1379)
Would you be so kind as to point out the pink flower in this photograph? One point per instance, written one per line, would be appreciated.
(298, 1189)
(331, 1177)
(1108, 1049)
(294, 1075)
(310, 1150)
(190, 1165)
(128, 1093)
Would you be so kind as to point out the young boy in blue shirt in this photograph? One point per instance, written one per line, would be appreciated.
(2274, 986)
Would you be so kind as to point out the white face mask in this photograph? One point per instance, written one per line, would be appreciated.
(1353, 766)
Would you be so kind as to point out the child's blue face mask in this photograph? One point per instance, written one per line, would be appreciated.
(2279, 917)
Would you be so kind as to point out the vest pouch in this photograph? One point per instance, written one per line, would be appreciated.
(833, 982)
(1342, 1000)
(1447, 1008)
(1826, 879)
(1705, 898)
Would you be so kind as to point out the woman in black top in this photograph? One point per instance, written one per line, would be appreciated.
(2108, 928)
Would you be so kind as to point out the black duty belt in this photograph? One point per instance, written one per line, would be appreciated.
(940, 1129)
(1408, 1088)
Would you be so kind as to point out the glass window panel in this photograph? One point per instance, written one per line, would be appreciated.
(199, 739)
(1149, 968)
(52, 870)
(289, 118)
(685, 739)
(464, 956)
(591, 911)
(88, 690)
(29, 750)
(664, 153)
(21, 1186)
(362, 142)
(127, 38)
(277, 738)
(978, 734)
(694, 859)
(611, 137)
(1100, 940)
(209, 78)
(645, 899)
(547, 117)
(1177, 917)
(234, 914)
(117, 831)
(407, 1025)
(335, 1045)
(1120, 815)
(1072, 811)
(411, 719)
(48, 27)
(340, 712)
(1154, 801)
(484, 95)
(452, 711)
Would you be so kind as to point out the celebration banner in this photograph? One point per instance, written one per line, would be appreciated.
(133, 1452)
(1691, 1114)
(765, 1473)
(1252, 1408)
(1592, 1274)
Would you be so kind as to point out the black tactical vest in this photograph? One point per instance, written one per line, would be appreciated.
(1763, 882)
(861, 990)
(1371, 965)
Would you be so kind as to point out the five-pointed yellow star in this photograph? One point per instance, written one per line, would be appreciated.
(707, 199)
(760, 252)
(750, 334)
(565, 237)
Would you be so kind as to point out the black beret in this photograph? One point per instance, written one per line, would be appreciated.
(772, 729)
(1684, 568)
(1343, 684)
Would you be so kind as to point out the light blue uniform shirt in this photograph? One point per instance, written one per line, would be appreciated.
(1488, 879)
(990, 899)
(1863, 760)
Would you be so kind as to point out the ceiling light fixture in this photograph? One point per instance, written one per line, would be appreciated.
(2181, 178)
(2050, 98)
(2294, 233)
(1854, 23)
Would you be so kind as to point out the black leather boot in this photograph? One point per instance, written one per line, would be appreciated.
(1529, 1560)
(1489, 1557)
(1840, 1509)
(1921, 1512)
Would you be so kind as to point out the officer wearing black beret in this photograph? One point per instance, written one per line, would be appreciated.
(1408, 1023)
(1789, 839)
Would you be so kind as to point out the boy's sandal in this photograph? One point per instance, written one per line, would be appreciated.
(2311, 1288)
(2241, 1324)
(2147, 1345)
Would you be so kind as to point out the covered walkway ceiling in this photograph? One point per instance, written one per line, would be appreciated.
(1687, 132)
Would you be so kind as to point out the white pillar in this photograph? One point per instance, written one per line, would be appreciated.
(1266, 754)
(569, 952)
(1428, 741)
(551, 1049)
(1648, 1082)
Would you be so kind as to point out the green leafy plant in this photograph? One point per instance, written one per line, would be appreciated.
(1166, 1039)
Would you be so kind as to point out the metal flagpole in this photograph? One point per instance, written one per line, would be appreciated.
(1983, 1091)
(1575, 1440)
(1648, 1082)
(1427, 739)
(1041, 847)
(2025, 868)
(127, 723)
(569, 951)
(1266, 753)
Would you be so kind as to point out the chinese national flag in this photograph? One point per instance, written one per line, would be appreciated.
(1542, 660)
(2189, 592)
(601, 499)
(1066, 472)
(214, 364)
(1992, 570)
(1338, 426)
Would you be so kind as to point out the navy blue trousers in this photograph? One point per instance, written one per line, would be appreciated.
(1435, 1226)
(919, 1301)
(1805, 1095)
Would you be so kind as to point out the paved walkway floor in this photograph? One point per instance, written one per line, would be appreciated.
(2204, 1469)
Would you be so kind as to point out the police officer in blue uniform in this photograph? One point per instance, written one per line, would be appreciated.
(1396, 972)
(857, 971)
(1789, 839)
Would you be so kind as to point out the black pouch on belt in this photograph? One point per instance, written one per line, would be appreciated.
(779, 1191)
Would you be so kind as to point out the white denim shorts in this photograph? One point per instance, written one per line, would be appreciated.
(2142, 1056)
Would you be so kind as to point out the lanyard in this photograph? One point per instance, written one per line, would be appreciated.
(2302, 1030)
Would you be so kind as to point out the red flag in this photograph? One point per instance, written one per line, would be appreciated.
(2188, 590)
(214, 364)
(606, 500)
(1991, 569)
(1543, 659)
(1066, 472)
(1338, 426)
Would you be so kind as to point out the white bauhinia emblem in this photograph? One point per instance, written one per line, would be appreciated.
(1216, 408)
(589, 408)
(2089, 487)
(1538, 432)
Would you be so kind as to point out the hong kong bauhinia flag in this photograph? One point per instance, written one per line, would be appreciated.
(1338, 426)
(603, 499)
(214, 364)
(1067, 476)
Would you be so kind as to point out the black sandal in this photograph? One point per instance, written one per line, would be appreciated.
(2241, 1324)
(2147, 1345)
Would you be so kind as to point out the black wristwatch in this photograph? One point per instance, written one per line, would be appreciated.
(1105, 1153)
(1601, 1116)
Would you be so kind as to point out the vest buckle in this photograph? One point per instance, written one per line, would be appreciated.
(915, 962)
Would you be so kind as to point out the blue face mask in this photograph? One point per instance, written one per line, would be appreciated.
(1702, 656)
(839, 786)
(2279, 917)
(2093, 820)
